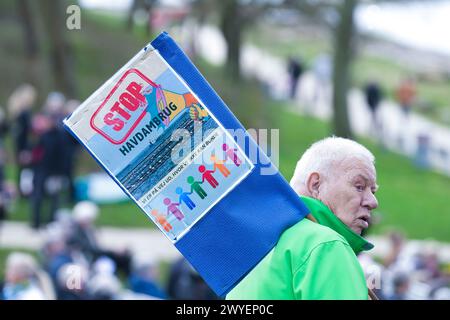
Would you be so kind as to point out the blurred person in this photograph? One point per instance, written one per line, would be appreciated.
(396, 245)
(406, 94)
(56, 255)
(71, 282)
(322, 69)
(104, 284)
(55, 104)
(83, 237)
(429, 271)
(54, 251)
(184, 283)
(431, 266)
(373, 272)
(71, 148)
(104, 287)
(6, 193)
(442, 293)
(316, 258)
(373, 95)
(143, 279)
(401, 285)
(24, 280)
(423, 150)
(20, 104)
(295, 70)
(48, 164)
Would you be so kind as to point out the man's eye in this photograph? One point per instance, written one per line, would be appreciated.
(360, 188)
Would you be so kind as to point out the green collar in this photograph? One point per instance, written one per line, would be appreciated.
(326, 217)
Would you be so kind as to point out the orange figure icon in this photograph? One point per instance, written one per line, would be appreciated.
(218, 164)
(161, 219)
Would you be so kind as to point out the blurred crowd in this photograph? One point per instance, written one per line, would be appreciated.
(42, 151)
(409, 271)
(71, 265)
(405, 94)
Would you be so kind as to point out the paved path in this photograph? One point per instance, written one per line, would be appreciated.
(151, 244)
(144, 243)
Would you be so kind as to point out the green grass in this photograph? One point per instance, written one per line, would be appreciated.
(410, 200)
(125, 214)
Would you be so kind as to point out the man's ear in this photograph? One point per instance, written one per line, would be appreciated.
(313, 184)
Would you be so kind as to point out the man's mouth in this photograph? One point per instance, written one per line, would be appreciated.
(364, 221)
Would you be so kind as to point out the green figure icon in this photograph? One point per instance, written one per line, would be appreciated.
(195, 186)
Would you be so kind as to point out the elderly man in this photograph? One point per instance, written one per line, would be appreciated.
(316, 258)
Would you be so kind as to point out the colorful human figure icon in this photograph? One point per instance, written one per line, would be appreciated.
(195, 186)
(218, 164)
(207, 175)
(184, 198)
(162, 221)
(172, 208)
(231, 154)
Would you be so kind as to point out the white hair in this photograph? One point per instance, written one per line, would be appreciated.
(22, 264)
(21, 99)
(323, 155)
(85, 211)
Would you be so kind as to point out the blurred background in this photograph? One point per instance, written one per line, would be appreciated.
(375, 71)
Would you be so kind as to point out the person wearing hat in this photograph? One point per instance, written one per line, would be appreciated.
(84, 239)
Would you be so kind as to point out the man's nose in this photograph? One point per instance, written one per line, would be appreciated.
(370, 201)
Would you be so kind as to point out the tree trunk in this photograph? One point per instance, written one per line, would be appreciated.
(231, 27)
(341, 70)
(148, 5)
(61, 57)
(30, 41)
(130, 15)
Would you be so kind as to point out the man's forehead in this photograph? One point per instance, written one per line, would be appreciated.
(354, 167)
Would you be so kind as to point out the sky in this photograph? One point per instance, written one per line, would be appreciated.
(424, 25)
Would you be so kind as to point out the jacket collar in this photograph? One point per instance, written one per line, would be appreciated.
(326, 217)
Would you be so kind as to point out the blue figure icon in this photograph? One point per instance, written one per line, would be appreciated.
(184, 198)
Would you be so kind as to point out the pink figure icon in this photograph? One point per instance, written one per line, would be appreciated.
(218, 164)
(207, 175)
(231, 154)
(172, 207)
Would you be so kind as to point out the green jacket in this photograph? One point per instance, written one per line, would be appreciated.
(310, 261)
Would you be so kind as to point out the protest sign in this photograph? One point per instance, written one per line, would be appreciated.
(166, 138)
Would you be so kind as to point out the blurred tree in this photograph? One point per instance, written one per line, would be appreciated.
(231, 26)
(30, 40)
(337, 15)
(200, 11)
(147, 6)
(343, 55)
(61, 57)
(235, 17)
